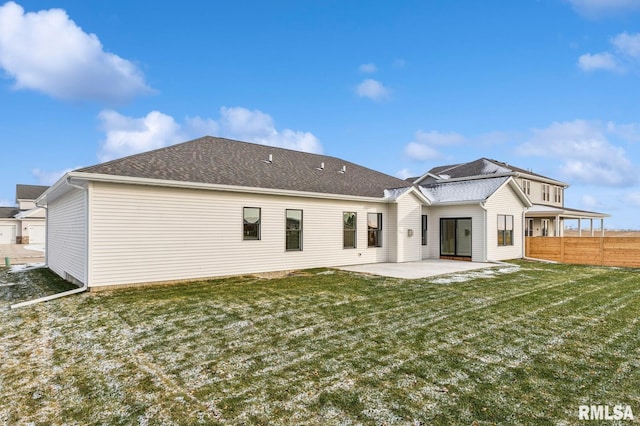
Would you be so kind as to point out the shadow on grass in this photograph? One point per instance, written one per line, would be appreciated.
(25, 285)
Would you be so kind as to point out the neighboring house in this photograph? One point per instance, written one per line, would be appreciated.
(215, 207)
(546, 216)
(24, 224)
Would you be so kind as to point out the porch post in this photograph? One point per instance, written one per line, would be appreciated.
(602, 226)
(579, 227)
(591, 225)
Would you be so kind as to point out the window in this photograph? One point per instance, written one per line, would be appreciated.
(251, 223)
(528, 232)
(505, 230)
(455, 237)
(349, 220)
(545, 227)
(374, 229)
(526, 186)
(424, 229)
(546, 193)
(557, 194)
(293, 231)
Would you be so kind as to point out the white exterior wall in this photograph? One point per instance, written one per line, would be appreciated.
(409, 210)
(152, 234)
(473, 211)
(8, 231)
(504, 201)
(67, 235)
(536, 193)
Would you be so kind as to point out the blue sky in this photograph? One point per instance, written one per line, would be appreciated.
(551, 85)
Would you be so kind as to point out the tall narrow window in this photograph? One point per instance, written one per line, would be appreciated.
(557, 194)
(293, 230)
(374, 229)
(526, 186)
(505, 230)
(424, 229)
(349, 220)
(251, 223)
(546, 193)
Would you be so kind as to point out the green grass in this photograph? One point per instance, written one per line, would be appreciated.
(520, 345)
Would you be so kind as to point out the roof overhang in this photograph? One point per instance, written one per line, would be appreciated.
(74, 179)
(539, 210)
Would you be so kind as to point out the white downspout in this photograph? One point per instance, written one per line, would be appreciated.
(485, 236)
(85, 285)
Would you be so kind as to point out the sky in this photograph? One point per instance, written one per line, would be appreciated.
(400, 87)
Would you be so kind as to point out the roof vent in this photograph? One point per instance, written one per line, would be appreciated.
(270, 160)
(343, 170)
(321, 167)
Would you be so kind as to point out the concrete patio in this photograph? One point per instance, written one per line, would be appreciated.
(415, 270)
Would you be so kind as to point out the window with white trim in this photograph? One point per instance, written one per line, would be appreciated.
(546, 193)
(526, 186)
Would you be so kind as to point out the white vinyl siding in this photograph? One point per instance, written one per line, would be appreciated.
(504, 202)
(408, 241)
(473, 211)
(66, 235)
(153, 234)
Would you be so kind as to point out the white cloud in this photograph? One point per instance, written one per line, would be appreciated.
(627, 44)
(47, 52)
(405, 174)
(368, 68)
(373, 90)
(50, 177)
(591, 202)
(625, 56)
(129, 135)
(599, 61)
(633, 199)
(601, 8)
(587, 154)
(425, 144)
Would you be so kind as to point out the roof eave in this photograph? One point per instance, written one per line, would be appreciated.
(105, 178)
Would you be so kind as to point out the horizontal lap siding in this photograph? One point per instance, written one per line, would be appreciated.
(472, 211)
(504, 201)
(147, 234)
(66, 235)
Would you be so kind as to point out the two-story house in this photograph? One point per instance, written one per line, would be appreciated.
(26, 223)
(546, 216)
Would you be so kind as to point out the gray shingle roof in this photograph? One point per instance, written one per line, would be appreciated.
(227, 162)
(29, 192)
(460, 191)
(8, 212)
(479, 167)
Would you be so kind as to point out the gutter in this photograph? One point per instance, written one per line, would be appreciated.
(85, 285)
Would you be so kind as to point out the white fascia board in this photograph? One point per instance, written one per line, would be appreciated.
(477, 177)
(54, 191)
(519, 192)
(78, 177)
(417, 193)
(424, 176)
(542, 179)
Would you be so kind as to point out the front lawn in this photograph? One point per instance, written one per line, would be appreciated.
(526, 344)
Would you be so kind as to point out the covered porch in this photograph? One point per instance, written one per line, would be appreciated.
(548, 221)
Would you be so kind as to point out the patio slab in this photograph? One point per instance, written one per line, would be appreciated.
(415, 270)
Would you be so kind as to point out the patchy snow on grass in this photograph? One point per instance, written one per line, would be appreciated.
(26, 267)
(476, 274)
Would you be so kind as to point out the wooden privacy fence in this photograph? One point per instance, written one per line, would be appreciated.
(602, 251)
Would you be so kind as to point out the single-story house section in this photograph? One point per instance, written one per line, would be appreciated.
(215, 207)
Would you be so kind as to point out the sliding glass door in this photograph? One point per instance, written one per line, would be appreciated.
(455, 237)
